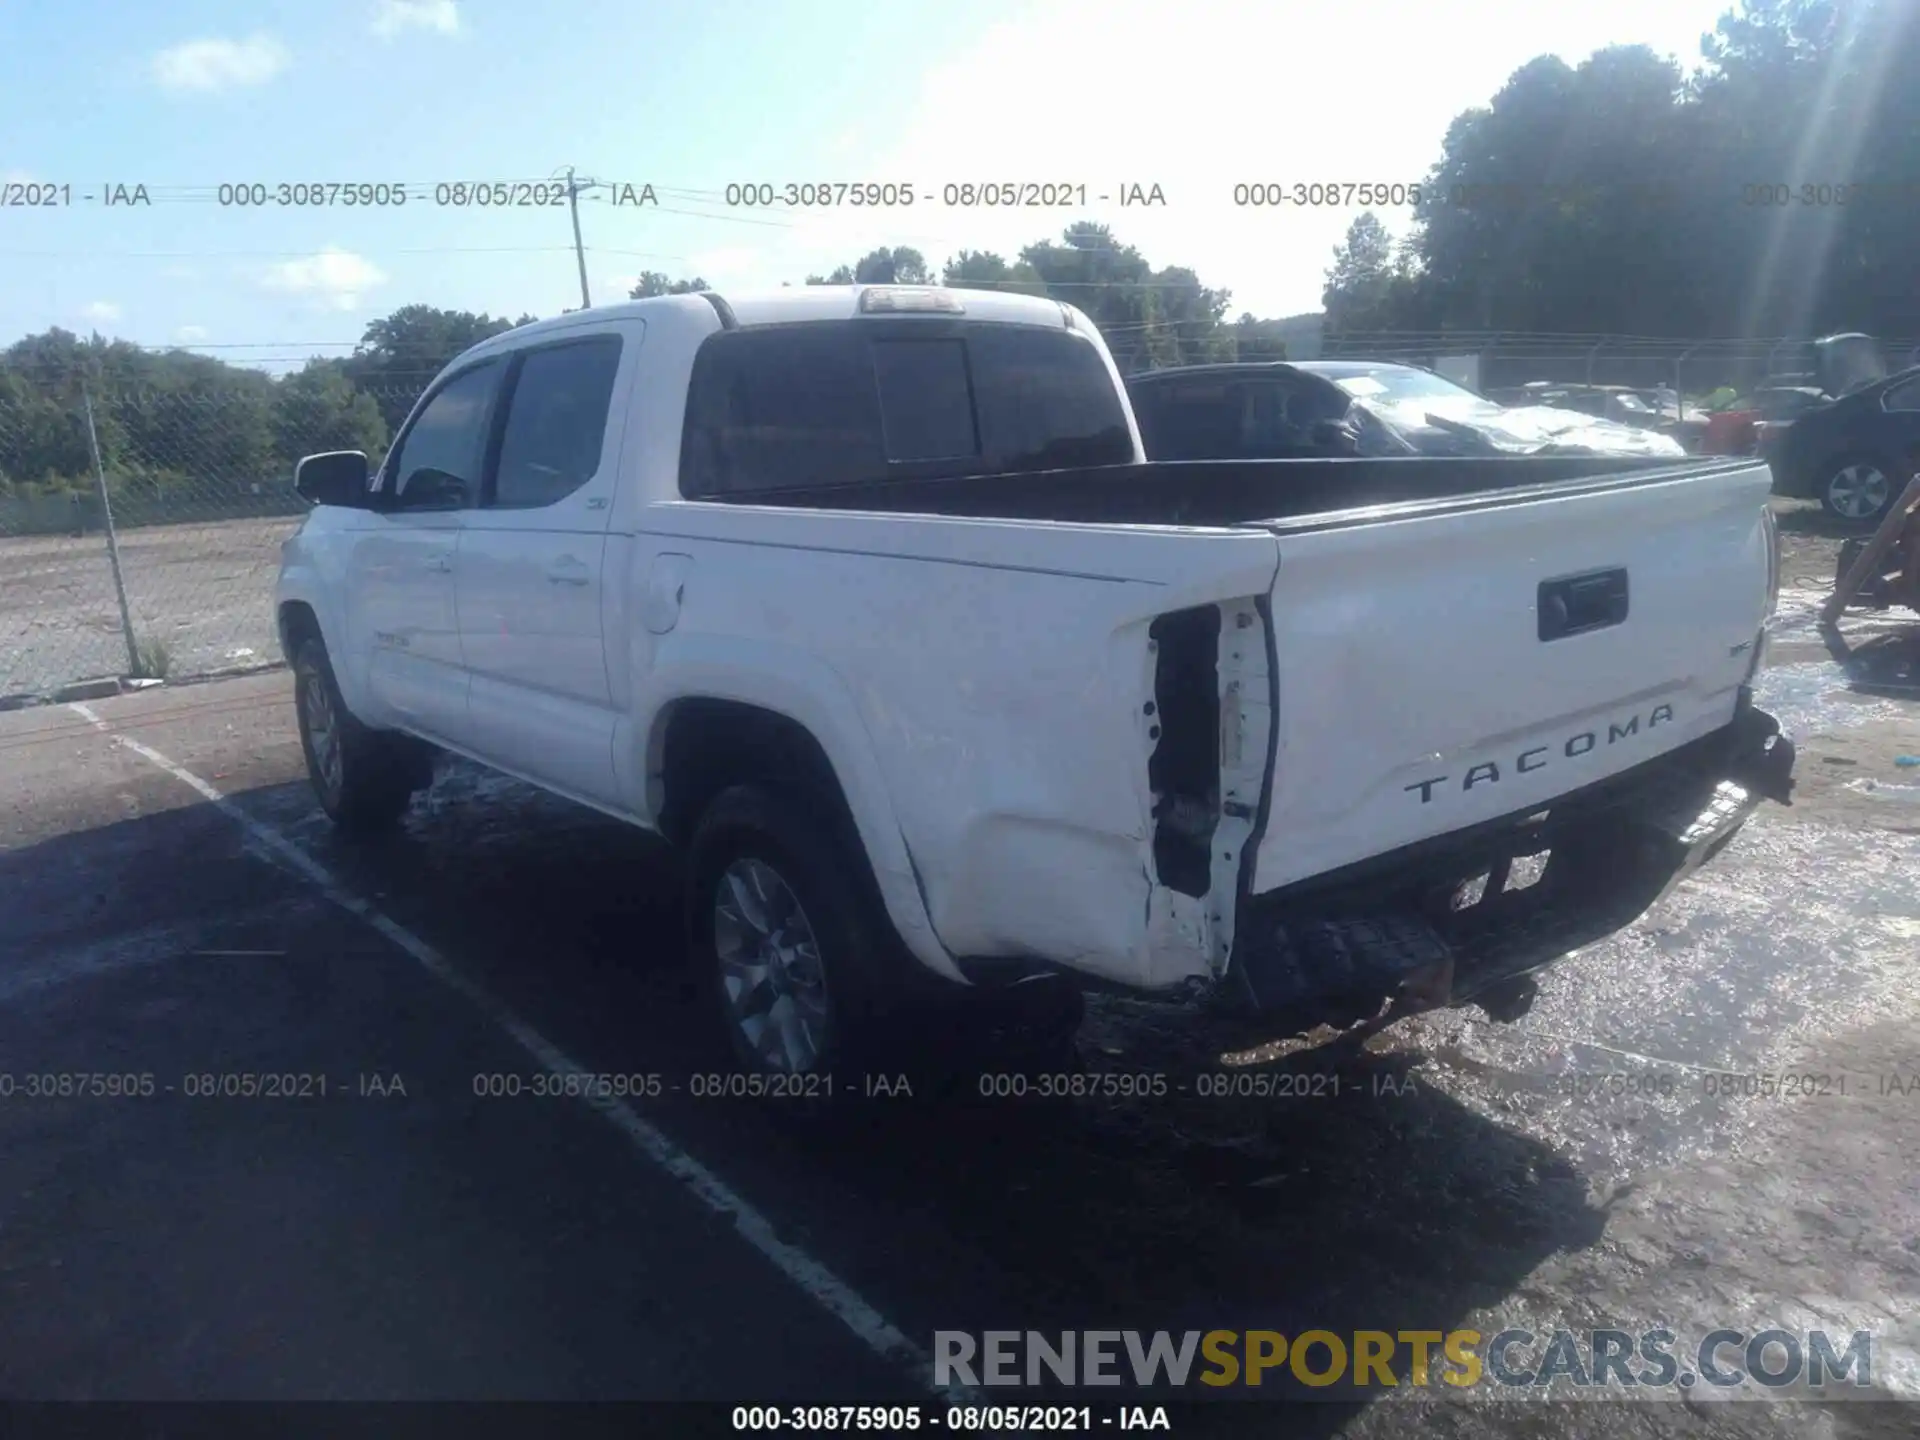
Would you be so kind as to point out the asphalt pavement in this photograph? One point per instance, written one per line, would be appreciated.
(386, 1224)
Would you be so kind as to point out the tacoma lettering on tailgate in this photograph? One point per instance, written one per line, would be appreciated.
(1585, 742)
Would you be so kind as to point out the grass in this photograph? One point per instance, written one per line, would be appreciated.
(152, 659)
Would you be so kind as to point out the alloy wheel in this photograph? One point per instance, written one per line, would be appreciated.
(770, 969)
(1858, 491)
(323, 731)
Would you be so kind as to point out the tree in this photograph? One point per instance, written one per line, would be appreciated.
(652, 283)
(1370, 282)
(1111, 283)
(901, 265)
(401, 352)
(984, 270)
(1618, 196)
(1255, 340)
(318, 409)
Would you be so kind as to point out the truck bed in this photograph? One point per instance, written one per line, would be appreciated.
(1237, 492)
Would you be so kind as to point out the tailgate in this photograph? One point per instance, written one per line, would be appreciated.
(1480, 657)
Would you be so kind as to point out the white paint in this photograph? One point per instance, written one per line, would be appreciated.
(978, 685)
(820, 1284)
(1409, 651)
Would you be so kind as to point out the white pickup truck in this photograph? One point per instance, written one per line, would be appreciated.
(868, 598)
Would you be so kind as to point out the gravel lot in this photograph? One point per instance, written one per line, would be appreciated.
(436, 1244)
(204, 592)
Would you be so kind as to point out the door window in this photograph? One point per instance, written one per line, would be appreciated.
(438, 462)
(556, 422)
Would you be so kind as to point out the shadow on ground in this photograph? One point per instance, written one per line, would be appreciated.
(1885, 664)
(1361, 1198)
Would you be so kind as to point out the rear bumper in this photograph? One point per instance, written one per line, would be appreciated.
(1455, 918)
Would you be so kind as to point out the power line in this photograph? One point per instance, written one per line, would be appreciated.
(293, 254)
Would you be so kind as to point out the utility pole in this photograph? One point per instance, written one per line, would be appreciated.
(579, 251)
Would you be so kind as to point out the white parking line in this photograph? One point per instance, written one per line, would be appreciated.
(826, 1289)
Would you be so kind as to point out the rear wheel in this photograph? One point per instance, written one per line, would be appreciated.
(1857, 489)
(790, 940)
(364, 778)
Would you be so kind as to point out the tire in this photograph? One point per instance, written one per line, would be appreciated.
(364, 779)
(1858, 489)
(792, 941)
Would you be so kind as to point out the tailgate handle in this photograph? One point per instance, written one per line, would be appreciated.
(1575, 604)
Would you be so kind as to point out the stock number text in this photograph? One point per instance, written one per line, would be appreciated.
(814, 194)
(311, 194)
(1859, 193)
(66, 1085)
(1273, 193)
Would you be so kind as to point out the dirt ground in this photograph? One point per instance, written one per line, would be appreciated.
(1852, 702)
(203, 593)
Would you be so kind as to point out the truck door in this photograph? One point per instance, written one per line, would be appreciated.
(532, 567)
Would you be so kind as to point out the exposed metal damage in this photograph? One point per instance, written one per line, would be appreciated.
(1210, 728)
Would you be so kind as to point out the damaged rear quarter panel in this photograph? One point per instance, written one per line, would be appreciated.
(1001, 673)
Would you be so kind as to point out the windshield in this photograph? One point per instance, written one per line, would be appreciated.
(1397, 386)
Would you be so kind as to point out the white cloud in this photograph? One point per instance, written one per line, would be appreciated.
(201, 66)
(334, 278)
(392, 16)
(1357, 93)
(101, 311)
(190, 334)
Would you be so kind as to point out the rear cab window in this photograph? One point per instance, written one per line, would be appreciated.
(783, 407)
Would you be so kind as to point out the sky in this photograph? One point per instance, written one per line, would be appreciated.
(689, 97)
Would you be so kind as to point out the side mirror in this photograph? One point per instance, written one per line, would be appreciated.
(338, 477)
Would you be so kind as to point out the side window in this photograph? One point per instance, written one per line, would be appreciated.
(1904, 397)
(556, 422)
(438, 463)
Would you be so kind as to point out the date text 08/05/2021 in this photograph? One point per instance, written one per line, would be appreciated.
(959, 1419)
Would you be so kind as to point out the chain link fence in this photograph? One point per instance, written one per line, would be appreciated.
(140, 532)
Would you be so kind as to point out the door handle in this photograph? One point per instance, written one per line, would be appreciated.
(567, 571)
(439, 564)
